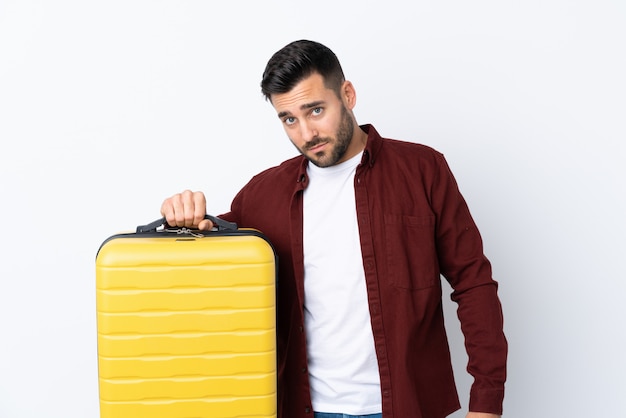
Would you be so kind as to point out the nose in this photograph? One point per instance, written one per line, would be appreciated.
(308, 131)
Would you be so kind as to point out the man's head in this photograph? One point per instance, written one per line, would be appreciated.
(305, 84)
(295, 62)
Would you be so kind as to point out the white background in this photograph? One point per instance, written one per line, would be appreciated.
(108, 107)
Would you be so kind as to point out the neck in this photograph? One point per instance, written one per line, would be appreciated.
(357, 144)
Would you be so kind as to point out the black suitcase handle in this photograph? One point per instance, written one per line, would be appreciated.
(219, 223)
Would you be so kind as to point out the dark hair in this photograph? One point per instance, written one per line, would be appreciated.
(295, 62)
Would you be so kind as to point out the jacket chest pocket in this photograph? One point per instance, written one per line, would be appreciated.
(411, 252)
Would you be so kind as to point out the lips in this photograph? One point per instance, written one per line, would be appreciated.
(316, 146)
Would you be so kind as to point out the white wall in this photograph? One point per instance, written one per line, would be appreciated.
(108, 107)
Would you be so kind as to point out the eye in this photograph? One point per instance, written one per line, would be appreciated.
(289, 120)
(317, 111)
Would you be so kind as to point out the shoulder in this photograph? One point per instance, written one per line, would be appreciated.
(411, 147)
(401, 159)
(412, 154)
(277, 177)
(287, 170)
(397, 151)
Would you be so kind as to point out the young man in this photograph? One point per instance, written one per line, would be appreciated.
(364, 227)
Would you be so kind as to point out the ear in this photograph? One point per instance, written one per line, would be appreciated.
(348, 94)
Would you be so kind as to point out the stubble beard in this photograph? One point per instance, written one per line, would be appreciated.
(342, 140)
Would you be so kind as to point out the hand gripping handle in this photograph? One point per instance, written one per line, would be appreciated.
(219, 223)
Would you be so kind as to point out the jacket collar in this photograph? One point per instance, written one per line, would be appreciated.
(372, 148)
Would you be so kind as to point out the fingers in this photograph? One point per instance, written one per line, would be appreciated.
(205, 225)
(184, 209)
(199, 208)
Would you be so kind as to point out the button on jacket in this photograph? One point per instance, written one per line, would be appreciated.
(414, 227)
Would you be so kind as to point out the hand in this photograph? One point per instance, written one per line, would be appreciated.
(481, 415)
(186, 209)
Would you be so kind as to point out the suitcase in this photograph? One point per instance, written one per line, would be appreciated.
(186, 323)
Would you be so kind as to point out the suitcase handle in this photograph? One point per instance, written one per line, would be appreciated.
(219, 223)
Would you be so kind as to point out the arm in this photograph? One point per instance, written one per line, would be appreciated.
(481, 415)
(463, 264)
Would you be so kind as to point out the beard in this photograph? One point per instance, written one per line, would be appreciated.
(340, 144)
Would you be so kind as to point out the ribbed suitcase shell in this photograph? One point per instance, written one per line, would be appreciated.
(186, 326)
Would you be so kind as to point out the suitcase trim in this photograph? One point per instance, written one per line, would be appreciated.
(190, 233)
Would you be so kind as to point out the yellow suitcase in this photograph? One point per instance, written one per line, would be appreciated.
(186, 323)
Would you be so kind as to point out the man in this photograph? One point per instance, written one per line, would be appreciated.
(363, 227)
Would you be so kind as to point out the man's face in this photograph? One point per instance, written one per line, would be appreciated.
(316, 121)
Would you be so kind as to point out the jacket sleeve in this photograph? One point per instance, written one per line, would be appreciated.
(463, 264)
(235, 213)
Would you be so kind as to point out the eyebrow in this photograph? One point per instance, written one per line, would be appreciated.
(303, 107)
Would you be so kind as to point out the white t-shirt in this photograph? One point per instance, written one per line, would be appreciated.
(342, 365)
